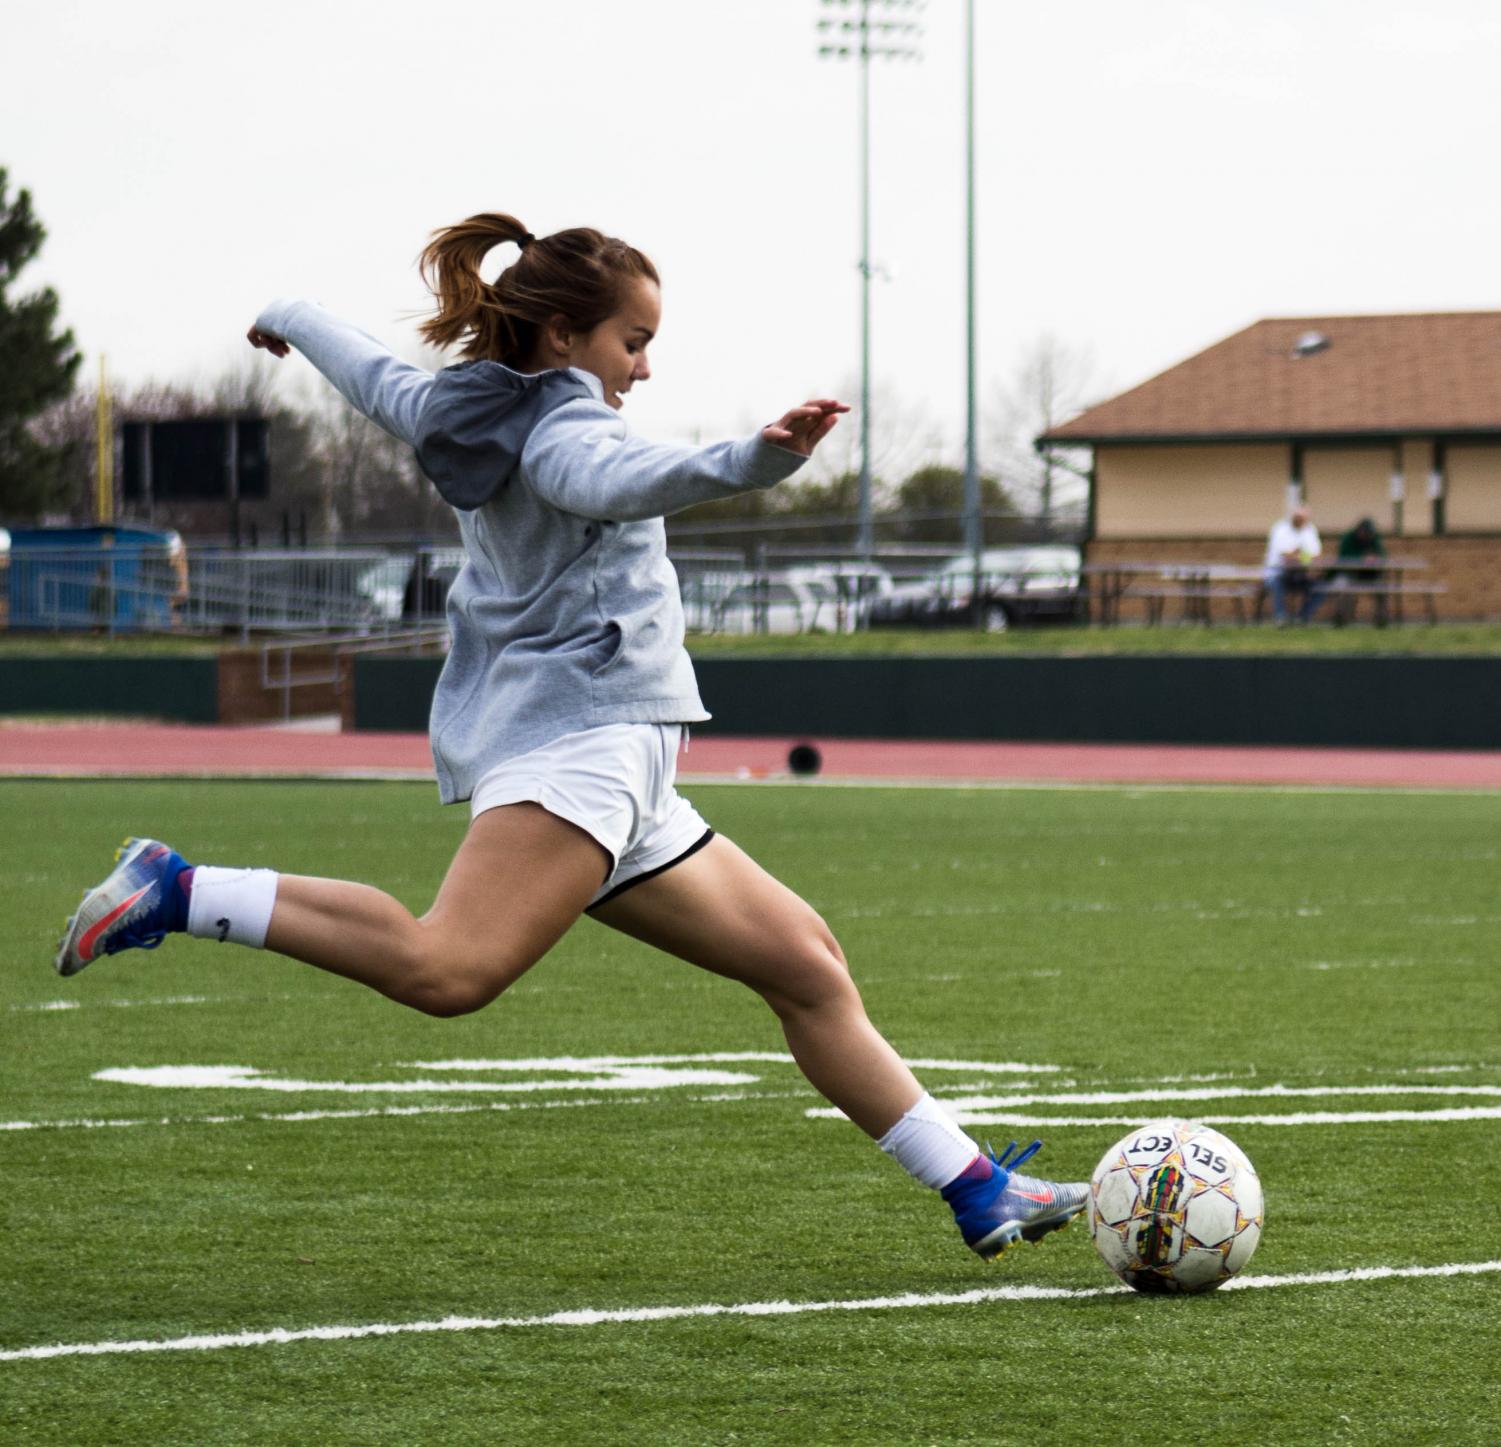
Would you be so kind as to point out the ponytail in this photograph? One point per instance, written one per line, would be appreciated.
(578, 274)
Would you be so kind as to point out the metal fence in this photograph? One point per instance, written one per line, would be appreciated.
(112, 590)
(139, 589)
(375, 591)
(287, 590)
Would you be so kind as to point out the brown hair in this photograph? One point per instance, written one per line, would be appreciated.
(578, 274)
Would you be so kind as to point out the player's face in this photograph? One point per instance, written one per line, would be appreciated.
(615, 351)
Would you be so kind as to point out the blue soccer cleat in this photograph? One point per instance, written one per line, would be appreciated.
(135, 907)
(995, 1207)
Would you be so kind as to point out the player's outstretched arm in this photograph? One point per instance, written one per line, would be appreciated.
(390, 392)
(582, 459)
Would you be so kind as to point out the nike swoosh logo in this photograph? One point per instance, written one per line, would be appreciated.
(89, 936)
(1045, 1197)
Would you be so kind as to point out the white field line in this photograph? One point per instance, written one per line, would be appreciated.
(1222, 1092)
(297, 1117)
(602, 1072)
(713, 1057)
(1304, 1117)
(974, 1109)
(112, 1004)
(588, 1316)
(1357, 1117)
(245, 1077)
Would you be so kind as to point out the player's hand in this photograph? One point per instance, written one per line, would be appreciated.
(274, 345)
(803, 428)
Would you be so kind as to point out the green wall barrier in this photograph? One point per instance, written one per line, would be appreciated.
(1431, 703)
(185, 690)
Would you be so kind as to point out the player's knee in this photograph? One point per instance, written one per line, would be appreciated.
(832, 945)
(447, 998)
(446, 986)
(821, 977)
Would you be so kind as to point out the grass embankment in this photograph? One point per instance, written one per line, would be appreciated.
(1409, 639)
(124, 645)
(1412, 639)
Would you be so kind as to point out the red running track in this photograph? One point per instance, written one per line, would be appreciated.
(181, 750)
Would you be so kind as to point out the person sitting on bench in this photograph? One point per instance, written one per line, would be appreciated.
(1292, 547)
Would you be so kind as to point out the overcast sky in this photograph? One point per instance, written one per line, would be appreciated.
(1152, 175)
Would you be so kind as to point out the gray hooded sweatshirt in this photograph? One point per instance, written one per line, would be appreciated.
(567, 613)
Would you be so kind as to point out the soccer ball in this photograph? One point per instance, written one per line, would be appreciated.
(1175, 1206)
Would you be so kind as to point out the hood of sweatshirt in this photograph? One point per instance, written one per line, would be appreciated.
(475, 423)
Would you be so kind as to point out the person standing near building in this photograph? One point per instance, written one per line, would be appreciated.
(1292, 547)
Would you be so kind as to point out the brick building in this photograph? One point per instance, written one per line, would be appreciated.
(1396, 418)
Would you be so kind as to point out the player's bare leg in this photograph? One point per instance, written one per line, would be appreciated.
(519, 879)
(721, 911)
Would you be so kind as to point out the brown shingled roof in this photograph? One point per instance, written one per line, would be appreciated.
(1423, 373)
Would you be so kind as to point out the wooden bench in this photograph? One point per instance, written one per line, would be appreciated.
(1344, 596)
(1198, 599)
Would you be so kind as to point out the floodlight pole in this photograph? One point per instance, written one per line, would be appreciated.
(861, 50)
(867, 528)
(974, 533)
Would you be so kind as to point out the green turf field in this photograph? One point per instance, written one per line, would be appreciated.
(1129, 940)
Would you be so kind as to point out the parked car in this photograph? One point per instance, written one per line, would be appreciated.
(819, 598)
(769, 605)
(1014, 585)
(384, 584)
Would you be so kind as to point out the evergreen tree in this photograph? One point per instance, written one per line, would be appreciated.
(37, 364)
(933, 500)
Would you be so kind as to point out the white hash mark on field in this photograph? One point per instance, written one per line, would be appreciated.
(611, 1316)
(113, 1004)
(593, 1072)
(387, 1112)
(298, 1117)
(245, 1077)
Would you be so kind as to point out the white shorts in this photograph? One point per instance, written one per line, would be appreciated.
(616, 783)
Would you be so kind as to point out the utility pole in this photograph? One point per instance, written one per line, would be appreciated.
(104, 437)
(860, 35)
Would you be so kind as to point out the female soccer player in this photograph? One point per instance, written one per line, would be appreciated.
(563, 703)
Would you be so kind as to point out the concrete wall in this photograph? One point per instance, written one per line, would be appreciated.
(1225, 491)
(1417, 509)
(243, 698)
(1164, 492)
(1474, 487)
(1345, 484)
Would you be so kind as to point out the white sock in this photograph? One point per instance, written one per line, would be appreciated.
(927, 1143)
(231, 904)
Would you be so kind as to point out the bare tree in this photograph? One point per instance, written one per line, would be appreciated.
(903, 438)
(1053, 381)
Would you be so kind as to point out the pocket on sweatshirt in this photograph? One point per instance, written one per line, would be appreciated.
(610, 650)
